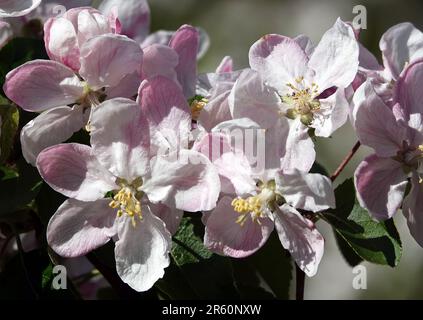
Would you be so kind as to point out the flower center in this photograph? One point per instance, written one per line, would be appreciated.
(302, 99)
(255, 206)
(197, 104)
(127, 200)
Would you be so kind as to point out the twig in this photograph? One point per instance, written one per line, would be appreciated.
(345, 161)
(300, 281)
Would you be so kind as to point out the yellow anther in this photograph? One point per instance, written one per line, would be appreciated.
(251, 205)
(197, 106)
(127, 203)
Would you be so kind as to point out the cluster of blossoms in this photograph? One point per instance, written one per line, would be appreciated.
(236, 145)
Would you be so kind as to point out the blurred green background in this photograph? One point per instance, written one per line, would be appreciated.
(233, 26)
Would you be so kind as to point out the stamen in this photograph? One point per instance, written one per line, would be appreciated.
(197, 106)
(128, 204)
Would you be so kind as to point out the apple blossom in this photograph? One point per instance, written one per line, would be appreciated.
(253, 204)
(17, 8)
(149, 191)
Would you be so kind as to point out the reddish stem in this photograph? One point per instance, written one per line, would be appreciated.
(344, 163)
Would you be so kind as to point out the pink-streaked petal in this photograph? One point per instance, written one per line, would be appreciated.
(225, 236)
(17, 8)
(226, 65)
(91, 24)
(307, 191)
(400, 45)
(61, 42)
(107, 59)
(335, 59)
(142, 251)
(52, 127)
(166, 110)
(79, 227)
(171, 217)
(133, 14)
(380, 185)
(72, 170)
(375, 122)
(42, 84)
(120, 138)
(127, 87)
(186, 180)
(216, 111)
(250, 98)
(161, 60)
(300, 237)
(305, 43)
(279, 60)
(413, 208)
(332, 115)
(185, 42)
(217, 148)
(409, 95)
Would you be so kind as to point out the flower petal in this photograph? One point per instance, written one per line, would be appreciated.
(79, 227)
(6, 33)
(307, 191)
(159, 60)
(167, 112)
(225, 236)
(61, 42)
(279, 60)
(412, 209)
(142, 251)
(17, 8)
(250, 98)
(226, 65)
(380, 184)
(185, 42)
(107, 59)
(50, 128)
(134, 15)
(72, 170)
(332, 115)
(171, 217)
(120, 138)
(375, 122)
(42, 84)
(335, 59)
(186, 181)
(300, 237)
(91, 24)
(400, 45)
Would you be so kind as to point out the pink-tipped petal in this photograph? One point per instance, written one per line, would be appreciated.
(167, 112)
(226, 65)
(185, 42)
(279, 60)
(72, 170)
(42, 84)
(225, 236)
(185, 180)
(107, 59)
(120, 138)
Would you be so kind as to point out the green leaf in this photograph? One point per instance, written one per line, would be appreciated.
(9, 120)
(18, 192)
(207, 275)
(271, 265)
(359, 236)
(47, 276)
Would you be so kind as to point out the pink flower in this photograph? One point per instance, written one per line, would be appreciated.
(395, 134)
(149, 191)
(291, 78)
(104, 66)
(253, 203)
(17, 8)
